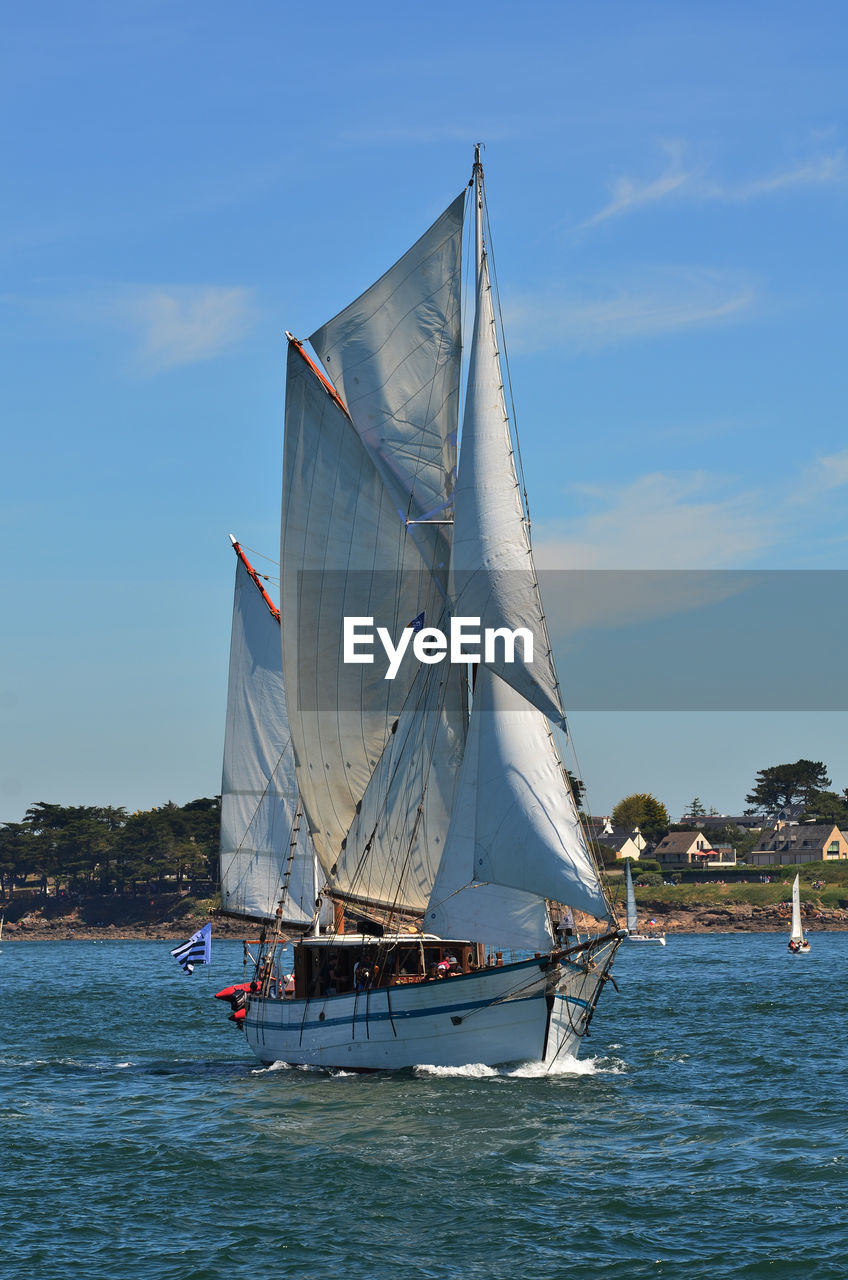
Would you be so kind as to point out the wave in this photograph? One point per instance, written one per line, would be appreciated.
(566, 1066)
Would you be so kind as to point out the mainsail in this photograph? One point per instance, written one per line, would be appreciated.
(363, 473)
(267, 859)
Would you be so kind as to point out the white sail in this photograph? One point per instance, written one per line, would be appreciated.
(462, 906)
(392, 851)
(632, 919)
(519, 826)
(493, 577)
(265, 845)
(797, 934)
(394, 357)
(345, 552)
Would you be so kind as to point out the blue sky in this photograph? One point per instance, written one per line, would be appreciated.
(668, 188)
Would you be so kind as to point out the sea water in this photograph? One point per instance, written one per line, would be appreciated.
(702, 1132)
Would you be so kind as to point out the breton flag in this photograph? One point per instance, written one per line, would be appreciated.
(417, 624)
(198, 949)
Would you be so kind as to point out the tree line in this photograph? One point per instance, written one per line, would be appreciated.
(89, 849)
(805, 784)
(104, 850)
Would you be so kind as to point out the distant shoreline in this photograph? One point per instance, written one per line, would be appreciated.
(36, 926)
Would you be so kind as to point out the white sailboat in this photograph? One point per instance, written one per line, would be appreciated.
(798, 943)
(438, 808)
(633, 934)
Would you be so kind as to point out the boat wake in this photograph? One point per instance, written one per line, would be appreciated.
(566, 1066)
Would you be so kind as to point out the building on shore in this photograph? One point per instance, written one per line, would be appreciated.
(688, 849)
(792, 843)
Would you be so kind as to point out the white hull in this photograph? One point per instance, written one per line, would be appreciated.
(647, 937)
(532, 1011)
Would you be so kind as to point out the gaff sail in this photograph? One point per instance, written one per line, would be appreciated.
(267, 857)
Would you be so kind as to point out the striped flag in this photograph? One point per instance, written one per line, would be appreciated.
(198, 949)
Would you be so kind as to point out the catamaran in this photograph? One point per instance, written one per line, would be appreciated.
(429, 815)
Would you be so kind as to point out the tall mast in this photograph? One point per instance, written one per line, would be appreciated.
(477, 179)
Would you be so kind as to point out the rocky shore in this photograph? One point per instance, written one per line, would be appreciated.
(163, 921)
(742, 918)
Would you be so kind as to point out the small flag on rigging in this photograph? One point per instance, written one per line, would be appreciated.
(198, 949)
(417, 623)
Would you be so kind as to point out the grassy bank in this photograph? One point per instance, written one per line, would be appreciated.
(823, 886)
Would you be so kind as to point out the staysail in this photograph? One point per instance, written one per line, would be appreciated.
(492, 576)
(515, 823)
(267, 859)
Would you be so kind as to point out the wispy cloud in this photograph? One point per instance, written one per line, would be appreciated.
(666, 301)
(821, 171)
(821, 476)
(694, 520)
(633, 193)
(660, 521)
(184, 325)
(167, 325)
(694, 183)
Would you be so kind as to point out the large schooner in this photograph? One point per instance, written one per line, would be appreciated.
(435, 802)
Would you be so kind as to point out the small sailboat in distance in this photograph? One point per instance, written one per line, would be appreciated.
(798, 943)
(633, 934)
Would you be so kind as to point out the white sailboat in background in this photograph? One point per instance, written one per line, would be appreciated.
(444, 834)
(633, 934)
(798, 943)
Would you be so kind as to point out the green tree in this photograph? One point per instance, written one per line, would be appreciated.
(784, 784)
(728, 833)
(74, 843)
(97, 849)
(826, 806)
(696, 809)
(644, 811)
(17, 855)
(170, 843)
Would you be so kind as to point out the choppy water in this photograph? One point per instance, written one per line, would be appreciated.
(703, 1133)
